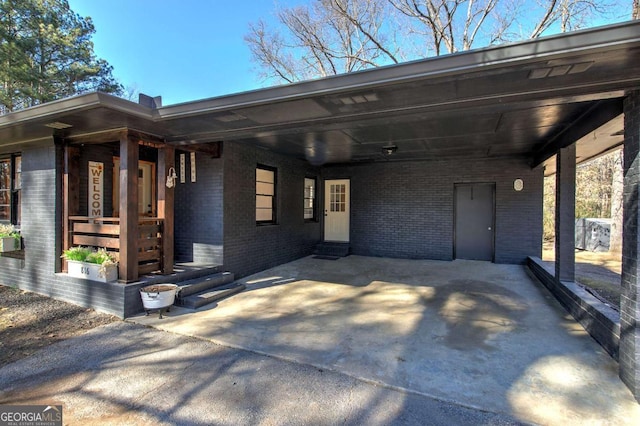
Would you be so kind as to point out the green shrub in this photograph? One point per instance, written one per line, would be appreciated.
(85, 254)
(100, 257)
(10, 231)
(79, 254)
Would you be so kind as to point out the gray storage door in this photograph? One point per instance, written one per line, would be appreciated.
(474, 221)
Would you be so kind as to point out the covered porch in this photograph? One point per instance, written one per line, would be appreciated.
(137, 232)
(125, 203)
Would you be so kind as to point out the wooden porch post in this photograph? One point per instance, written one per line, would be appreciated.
(129, 155)
(70, 193)
(166, 159)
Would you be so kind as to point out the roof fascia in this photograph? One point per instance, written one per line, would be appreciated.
(76, 104)
(590, 40)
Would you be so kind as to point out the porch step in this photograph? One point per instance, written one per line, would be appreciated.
(332, 249)
(202, 291)
(209, 296)
(200, 284)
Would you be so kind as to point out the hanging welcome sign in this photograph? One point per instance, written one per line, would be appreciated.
(96, 181)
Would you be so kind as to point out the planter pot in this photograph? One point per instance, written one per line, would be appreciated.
(158, 296)
(91, 271)
(8, 244)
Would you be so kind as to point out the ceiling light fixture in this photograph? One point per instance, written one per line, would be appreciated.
(389, 149)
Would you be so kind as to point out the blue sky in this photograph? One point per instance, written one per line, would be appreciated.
(181, 50)
(184, 50)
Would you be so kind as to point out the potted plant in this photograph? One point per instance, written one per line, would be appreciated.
(10, 239)
(96, 265)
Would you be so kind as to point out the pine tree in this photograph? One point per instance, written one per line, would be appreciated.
(46, 53)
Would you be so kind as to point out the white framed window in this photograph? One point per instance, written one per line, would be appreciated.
(310, 203)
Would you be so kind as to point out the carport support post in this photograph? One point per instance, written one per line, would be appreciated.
(629, 351)
(565, 213)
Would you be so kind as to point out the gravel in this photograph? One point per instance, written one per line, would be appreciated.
(29, 322)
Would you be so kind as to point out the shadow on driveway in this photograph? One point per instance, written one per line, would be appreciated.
(474, 333)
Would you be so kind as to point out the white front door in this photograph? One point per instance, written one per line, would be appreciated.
(336, 210)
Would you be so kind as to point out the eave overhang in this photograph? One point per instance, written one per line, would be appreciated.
(515, 100)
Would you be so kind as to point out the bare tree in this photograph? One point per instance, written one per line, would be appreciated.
(449, 24)
(326, 38)
(330, 37)
(617, 187)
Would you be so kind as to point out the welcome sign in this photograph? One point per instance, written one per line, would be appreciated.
(96, 182)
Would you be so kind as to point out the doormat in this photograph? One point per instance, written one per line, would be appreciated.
(326, 257)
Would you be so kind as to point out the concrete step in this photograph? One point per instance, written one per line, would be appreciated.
(183, 274)
(200, 284)
(332, 249)
(206, 297)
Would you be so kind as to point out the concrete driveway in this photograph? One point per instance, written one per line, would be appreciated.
(478, 334)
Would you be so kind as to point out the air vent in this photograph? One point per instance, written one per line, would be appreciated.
(230, 117)
(358, 99)
(58, 125)
(559, 70)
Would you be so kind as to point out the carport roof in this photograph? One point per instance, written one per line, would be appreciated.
(518, 100)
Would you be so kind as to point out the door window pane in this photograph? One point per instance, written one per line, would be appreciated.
(338, 194)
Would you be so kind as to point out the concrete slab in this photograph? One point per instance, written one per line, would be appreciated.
(474, 333)
(127, 374)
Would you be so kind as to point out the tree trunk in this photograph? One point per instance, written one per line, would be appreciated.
(616, 204)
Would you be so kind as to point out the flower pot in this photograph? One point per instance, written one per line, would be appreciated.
(8, 244)
(158, 296)
(91, 271)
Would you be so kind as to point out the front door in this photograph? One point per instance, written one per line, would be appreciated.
(474, 221)
(146, 188)
(336, 210)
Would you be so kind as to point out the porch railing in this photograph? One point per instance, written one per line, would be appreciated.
(105, 232)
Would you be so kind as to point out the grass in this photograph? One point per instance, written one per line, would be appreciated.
(610, 292)
(603, 280)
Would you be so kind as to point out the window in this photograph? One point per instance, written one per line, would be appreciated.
(10, 189)
(265, 195)
(310, 199)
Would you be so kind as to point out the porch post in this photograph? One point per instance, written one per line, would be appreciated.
(629, 351)
(70, 193)
(128, 208)
(565, 213)
(166, 159)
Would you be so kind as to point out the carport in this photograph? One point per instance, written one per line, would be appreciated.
(408, 139)
(409, 136)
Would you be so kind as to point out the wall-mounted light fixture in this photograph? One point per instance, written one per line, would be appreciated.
(171, 177)
(518, 184)
(389, 149)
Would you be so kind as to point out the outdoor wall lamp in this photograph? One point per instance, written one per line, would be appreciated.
(171, 177)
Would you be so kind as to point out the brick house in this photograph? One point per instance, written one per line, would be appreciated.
(441, 158)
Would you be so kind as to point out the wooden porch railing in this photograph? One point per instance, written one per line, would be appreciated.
(105, 232)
